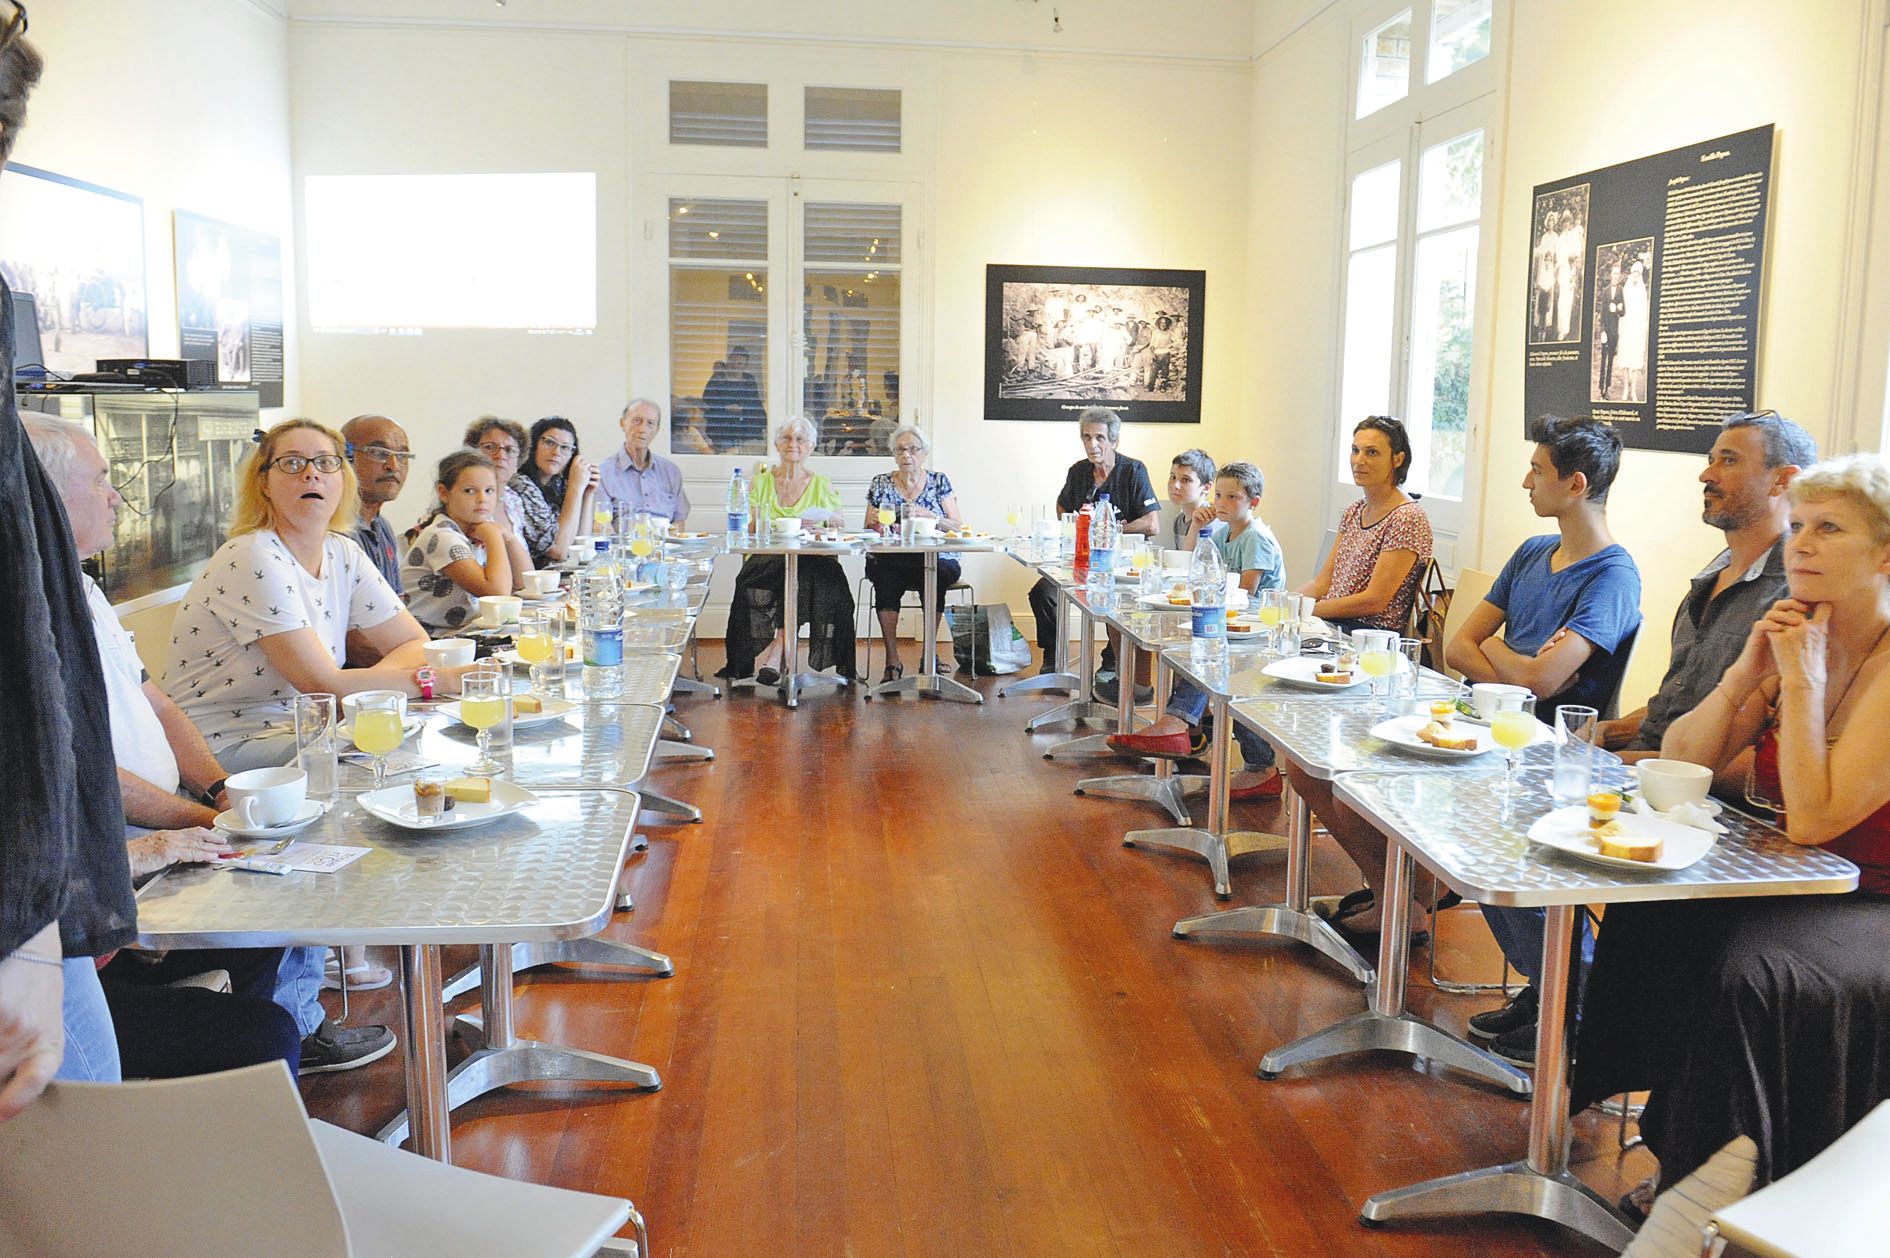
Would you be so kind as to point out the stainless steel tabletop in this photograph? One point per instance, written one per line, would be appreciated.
(1326, 739)
(1453, 824)
(1242, 677)
(605, 745)
(648, 678)
(548, 872)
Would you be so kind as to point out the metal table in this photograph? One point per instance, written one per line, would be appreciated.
(927, 681)
(1453, 825)
(547, 873)
(1082, 709)
(1137, 629)
(1140, 629)
(793, 681)
(1061, 680)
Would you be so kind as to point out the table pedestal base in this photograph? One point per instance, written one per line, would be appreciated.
(1399, 1033)
(1170, 792)
(1512, 1188)
(1062, 683)
(589, 951)
(661, 810)
(670, 749)
(1094, 744)
(1217, 849)
(690, 686)
(927, 684)
(790, 687)
(1076, 714)
(1288, 923)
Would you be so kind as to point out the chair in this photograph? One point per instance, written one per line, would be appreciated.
(229, 1166)
(916, 600)
(1472, 585)
(1831, 1207)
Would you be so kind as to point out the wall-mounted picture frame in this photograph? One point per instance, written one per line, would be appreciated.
(79, 249)
(1061, 338)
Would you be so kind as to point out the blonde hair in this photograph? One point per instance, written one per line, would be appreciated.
(253, 513)
(1861, 479)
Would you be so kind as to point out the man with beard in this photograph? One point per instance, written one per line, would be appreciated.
(381, 456)
(1752, 462)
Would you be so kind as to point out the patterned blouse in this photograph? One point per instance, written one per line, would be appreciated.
(882, 492)
(537, 519)
(1356, 555)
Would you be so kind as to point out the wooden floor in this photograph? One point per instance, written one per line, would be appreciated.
(925, 1002)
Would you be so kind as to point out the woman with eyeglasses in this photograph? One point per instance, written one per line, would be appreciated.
(269, 617)
(559, 484)
(504, 443)
(910, 489)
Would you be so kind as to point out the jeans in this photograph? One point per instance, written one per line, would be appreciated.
(1189, 702)
(299, 986)
(91, 1043)
(1519, 933)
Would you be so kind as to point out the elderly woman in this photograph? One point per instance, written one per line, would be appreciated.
(524, 511)
(790, 488)
(1768, 1017)
(558, 484)
(909, 490)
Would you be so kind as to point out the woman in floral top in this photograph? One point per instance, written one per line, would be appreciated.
(1370, 578)
(910, 491)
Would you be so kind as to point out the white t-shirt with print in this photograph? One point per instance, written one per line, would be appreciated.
(435, 599)
(138, 741)
(254, 589)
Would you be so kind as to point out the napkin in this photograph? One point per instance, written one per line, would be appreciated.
(1696, 815)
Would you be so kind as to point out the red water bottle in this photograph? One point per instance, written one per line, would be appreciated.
(1081, 563)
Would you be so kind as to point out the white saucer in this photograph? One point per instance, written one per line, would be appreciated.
(310, 811)
(395, 804)
(1566, 830)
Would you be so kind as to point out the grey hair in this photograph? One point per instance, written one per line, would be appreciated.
(57, 442)
(909, 430)
(1101, 415)
(635, 402)
(798, 423)
(1786, 444)
(20, 68)
(1197, 461)
(1247, 476)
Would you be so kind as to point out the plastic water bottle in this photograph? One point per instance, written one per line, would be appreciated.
(600, 621)
(737, 509)
(1207, 581)
(1103, 531)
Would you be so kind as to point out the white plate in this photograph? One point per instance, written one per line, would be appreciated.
(511, 656)
(396, 805)
(554, 709)
(408, 728)
(1235, 603)
(305, 816)
(1302, 671)
(1566, 830)
(1401, 732)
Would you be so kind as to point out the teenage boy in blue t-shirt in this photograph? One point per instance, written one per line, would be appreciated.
(1568, 604)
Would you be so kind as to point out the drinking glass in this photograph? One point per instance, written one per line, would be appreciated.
(1574, 754)
(1014, 516)
(1377, 656)
(1513, 727)
(315, 742)
(1404, 682)
(1272, 613)
(539, 641)
(377, 728)
(482, 706)
(1757, 792)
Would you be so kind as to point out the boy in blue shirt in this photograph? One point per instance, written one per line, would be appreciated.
(1568, 604)
(1249, 548)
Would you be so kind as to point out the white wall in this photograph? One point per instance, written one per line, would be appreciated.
(184, 104)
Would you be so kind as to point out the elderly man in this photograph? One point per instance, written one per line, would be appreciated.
(157, 750)
(1101, 471)
(378, 447)
(635, 477)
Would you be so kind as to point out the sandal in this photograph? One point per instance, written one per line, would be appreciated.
(893, 673)
(365, 977)
(1351, 904)
(767, 676)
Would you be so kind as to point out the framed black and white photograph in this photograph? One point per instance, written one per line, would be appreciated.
(1061, 338)
(1624, 284)
(1558, 249)
(229, 301)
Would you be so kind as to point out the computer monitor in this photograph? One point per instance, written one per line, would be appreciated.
(29, 360)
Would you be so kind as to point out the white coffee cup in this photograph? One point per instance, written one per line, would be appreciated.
(539, 584)
(350, 702)
(449, 652)
(1668, 782)
(925, 527)
(265, 798)
(1485, 694)
(1176, 560)
(786, 525)
(499, 609)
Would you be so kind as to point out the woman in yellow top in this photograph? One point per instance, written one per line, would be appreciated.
(790, 488)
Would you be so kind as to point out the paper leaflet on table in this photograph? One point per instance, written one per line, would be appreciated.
(301, 858)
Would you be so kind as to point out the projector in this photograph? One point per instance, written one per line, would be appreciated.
(162, 373)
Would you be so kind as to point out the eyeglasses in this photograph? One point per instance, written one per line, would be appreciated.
(15, 29)
(296, 464)
(498, 450)
(381, 454)
(559, 447)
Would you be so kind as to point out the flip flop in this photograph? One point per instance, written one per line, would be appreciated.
(1351, 904)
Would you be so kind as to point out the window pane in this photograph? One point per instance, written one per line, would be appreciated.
(851, 320)
(1385, 69)
(1460, 36)
(1450, 182)
(864, 236)
(1443, 298)
(731, 115)
(856, 118)
(718, 357)
(1375, 206)
(723, 230)
(1371, 290)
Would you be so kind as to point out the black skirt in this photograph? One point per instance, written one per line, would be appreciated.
(1768, 1018)
(825, 604)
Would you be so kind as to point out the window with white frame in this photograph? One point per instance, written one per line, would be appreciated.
(1417, 171)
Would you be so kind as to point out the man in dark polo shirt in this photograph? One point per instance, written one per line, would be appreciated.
(1752, 461)
(1100, 471)
(378, 448)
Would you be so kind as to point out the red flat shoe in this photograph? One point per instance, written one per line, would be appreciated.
(1177, 746)
(1271, 788)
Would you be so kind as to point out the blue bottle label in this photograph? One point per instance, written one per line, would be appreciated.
(603, 648)
(1208, 622)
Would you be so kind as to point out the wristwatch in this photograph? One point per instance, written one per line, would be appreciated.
(423, 678)
(210, 793)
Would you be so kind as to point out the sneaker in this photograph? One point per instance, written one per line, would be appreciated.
(333, 1047)
(1107, 688)
(1517, 1047)
(1519, 1012)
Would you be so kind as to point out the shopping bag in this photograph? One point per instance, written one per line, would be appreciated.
(986, 637)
